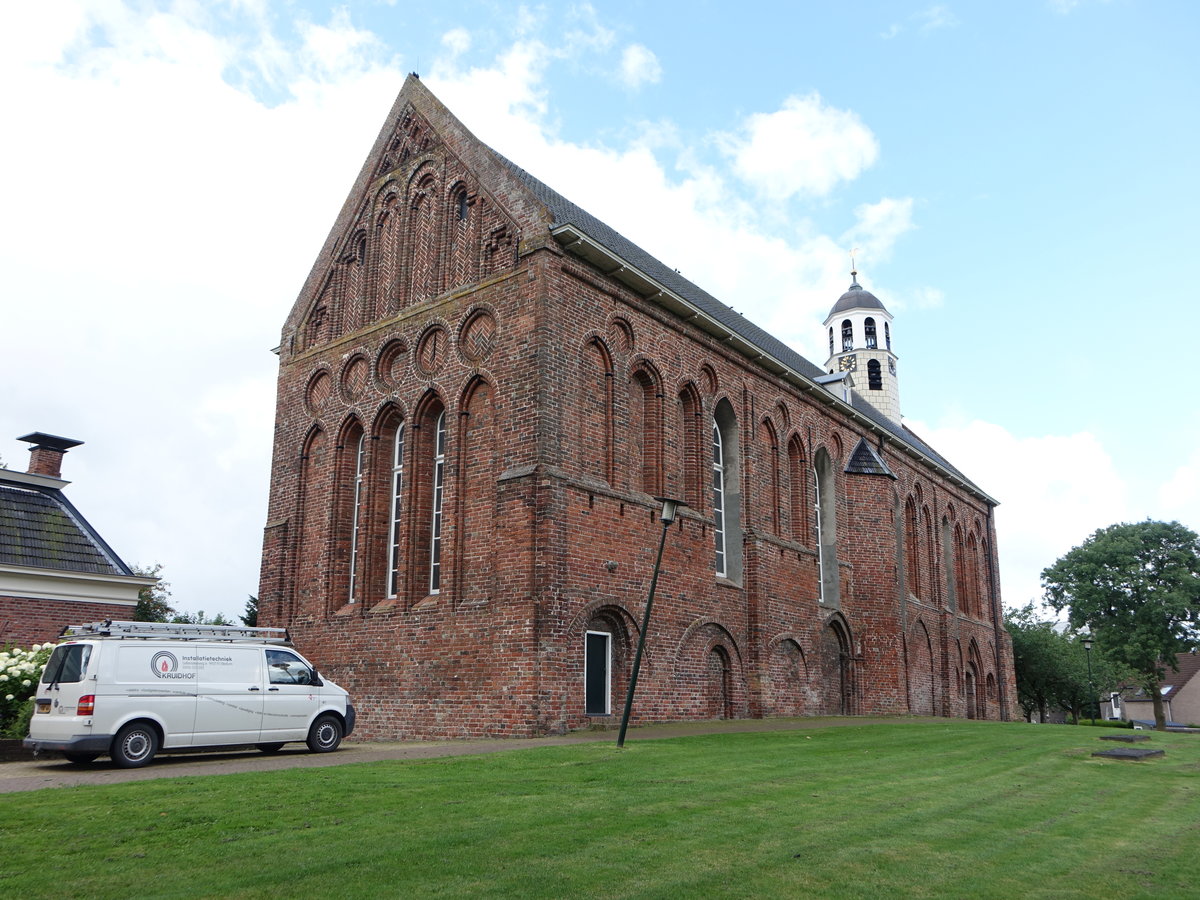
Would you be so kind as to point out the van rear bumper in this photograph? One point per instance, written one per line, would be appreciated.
(84, 743)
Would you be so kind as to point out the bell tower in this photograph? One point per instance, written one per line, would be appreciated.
(860, 344)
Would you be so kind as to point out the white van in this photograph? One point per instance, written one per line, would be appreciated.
(130, 689)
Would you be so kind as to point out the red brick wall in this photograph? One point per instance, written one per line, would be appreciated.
(572, 399)
(25, 621)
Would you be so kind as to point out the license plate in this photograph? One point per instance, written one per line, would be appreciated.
(43, 706)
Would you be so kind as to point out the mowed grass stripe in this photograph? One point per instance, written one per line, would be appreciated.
(904, 809)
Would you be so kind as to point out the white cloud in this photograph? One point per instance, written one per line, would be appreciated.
(1054, 491)
(806, 148)
(878, 226)
(1179, 496)
(936, 17)
(639, 66)
(194, 209)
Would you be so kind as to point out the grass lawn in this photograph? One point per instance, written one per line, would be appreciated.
(903, 809)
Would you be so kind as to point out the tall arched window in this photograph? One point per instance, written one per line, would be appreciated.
(912, 549)
(395, 505)
(872, 338)
(887, 335)
(691, 427)
(718, 489)
(798, 489)
(646, 411)
(826, 518)
(847, 335)
(831, 340)
(439, 484)
(874, 375)
(772, 444)
(726, 493)
(356, 518)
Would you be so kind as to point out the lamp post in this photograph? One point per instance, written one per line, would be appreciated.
(669, 510)
(1086, 640)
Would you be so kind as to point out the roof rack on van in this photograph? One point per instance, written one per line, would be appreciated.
(174, 631)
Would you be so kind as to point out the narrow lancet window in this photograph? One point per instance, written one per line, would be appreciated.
(718, 487)
(439, 474)
(874, 375)
(356, 519)
(872, 338)
(397, 493)
(847, 335)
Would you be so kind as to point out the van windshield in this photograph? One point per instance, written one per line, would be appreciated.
(67, 664)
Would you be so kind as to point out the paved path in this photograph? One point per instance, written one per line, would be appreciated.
(53, 771)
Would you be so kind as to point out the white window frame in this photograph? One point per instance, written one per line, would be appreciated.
(608, 647)
(718, 501)
(439, 486)
(397, 494)
(356, 519)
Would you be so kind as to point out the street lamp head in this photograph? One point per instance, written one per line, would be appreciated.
(1086, 640)
(670, 508)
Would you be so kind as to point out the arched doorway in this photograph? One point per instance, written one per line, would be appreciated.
(836, 671)
(971, 692)
(719, 693)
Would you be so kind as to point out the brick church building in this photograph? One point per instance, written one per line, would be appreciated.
(483, 389)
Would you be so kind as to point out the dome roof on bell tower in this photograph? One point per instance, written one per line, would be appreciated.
(856, 298)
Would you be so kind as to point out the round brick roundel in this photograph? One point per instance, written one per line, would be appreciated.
(431, 351)
(390, 369)
(320, 389)
(354, 378)
(478, 337)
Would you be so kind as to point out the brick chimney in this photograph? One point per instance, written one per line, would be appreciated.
(45, 456)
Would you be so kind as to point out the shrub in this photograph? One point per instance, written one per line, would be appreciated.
(19, 673)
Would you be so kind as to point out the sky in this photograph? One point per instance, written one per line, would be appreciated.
(1018, 182)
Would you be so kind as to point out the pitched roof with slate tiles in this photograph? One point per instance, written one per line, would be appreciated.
(40, 528)
(1173, 682)
(565, 213)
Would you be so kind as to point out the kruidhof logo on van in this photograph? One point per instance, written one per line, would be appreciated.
(166, 665)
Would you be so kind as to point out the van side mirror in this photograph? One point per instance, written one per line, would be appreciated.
(316, 679)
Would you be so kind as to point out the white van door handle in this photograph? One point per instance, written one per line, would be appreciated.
(255, 688)
(272, 689)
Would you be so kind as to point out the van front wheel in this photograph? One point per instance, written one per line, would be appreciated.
(325, 734)
(135, 745)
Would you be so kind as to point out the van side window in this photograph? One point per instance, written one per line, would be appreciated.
(67, 664)
(286, 668)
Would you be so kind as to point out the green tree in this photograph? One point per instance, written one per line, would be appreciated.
(1052, 667)
(1136, 587)
(1037, 658)
(199, 618)
(250, 616)
(153, 600)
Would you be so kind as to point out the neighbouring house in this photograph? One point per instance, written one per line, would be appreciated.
(483, 390)
(55, 568)
(1180, 695)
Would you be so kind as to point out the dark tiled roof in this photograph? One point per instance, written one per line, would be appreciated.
(865, 461)
(1189, 665)
(856, 298)
(564, 212)
(40, 528)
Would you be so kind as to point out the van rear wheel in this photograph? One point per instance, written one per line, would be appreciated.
(325, 734)
(79, 757)
(135, 745)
